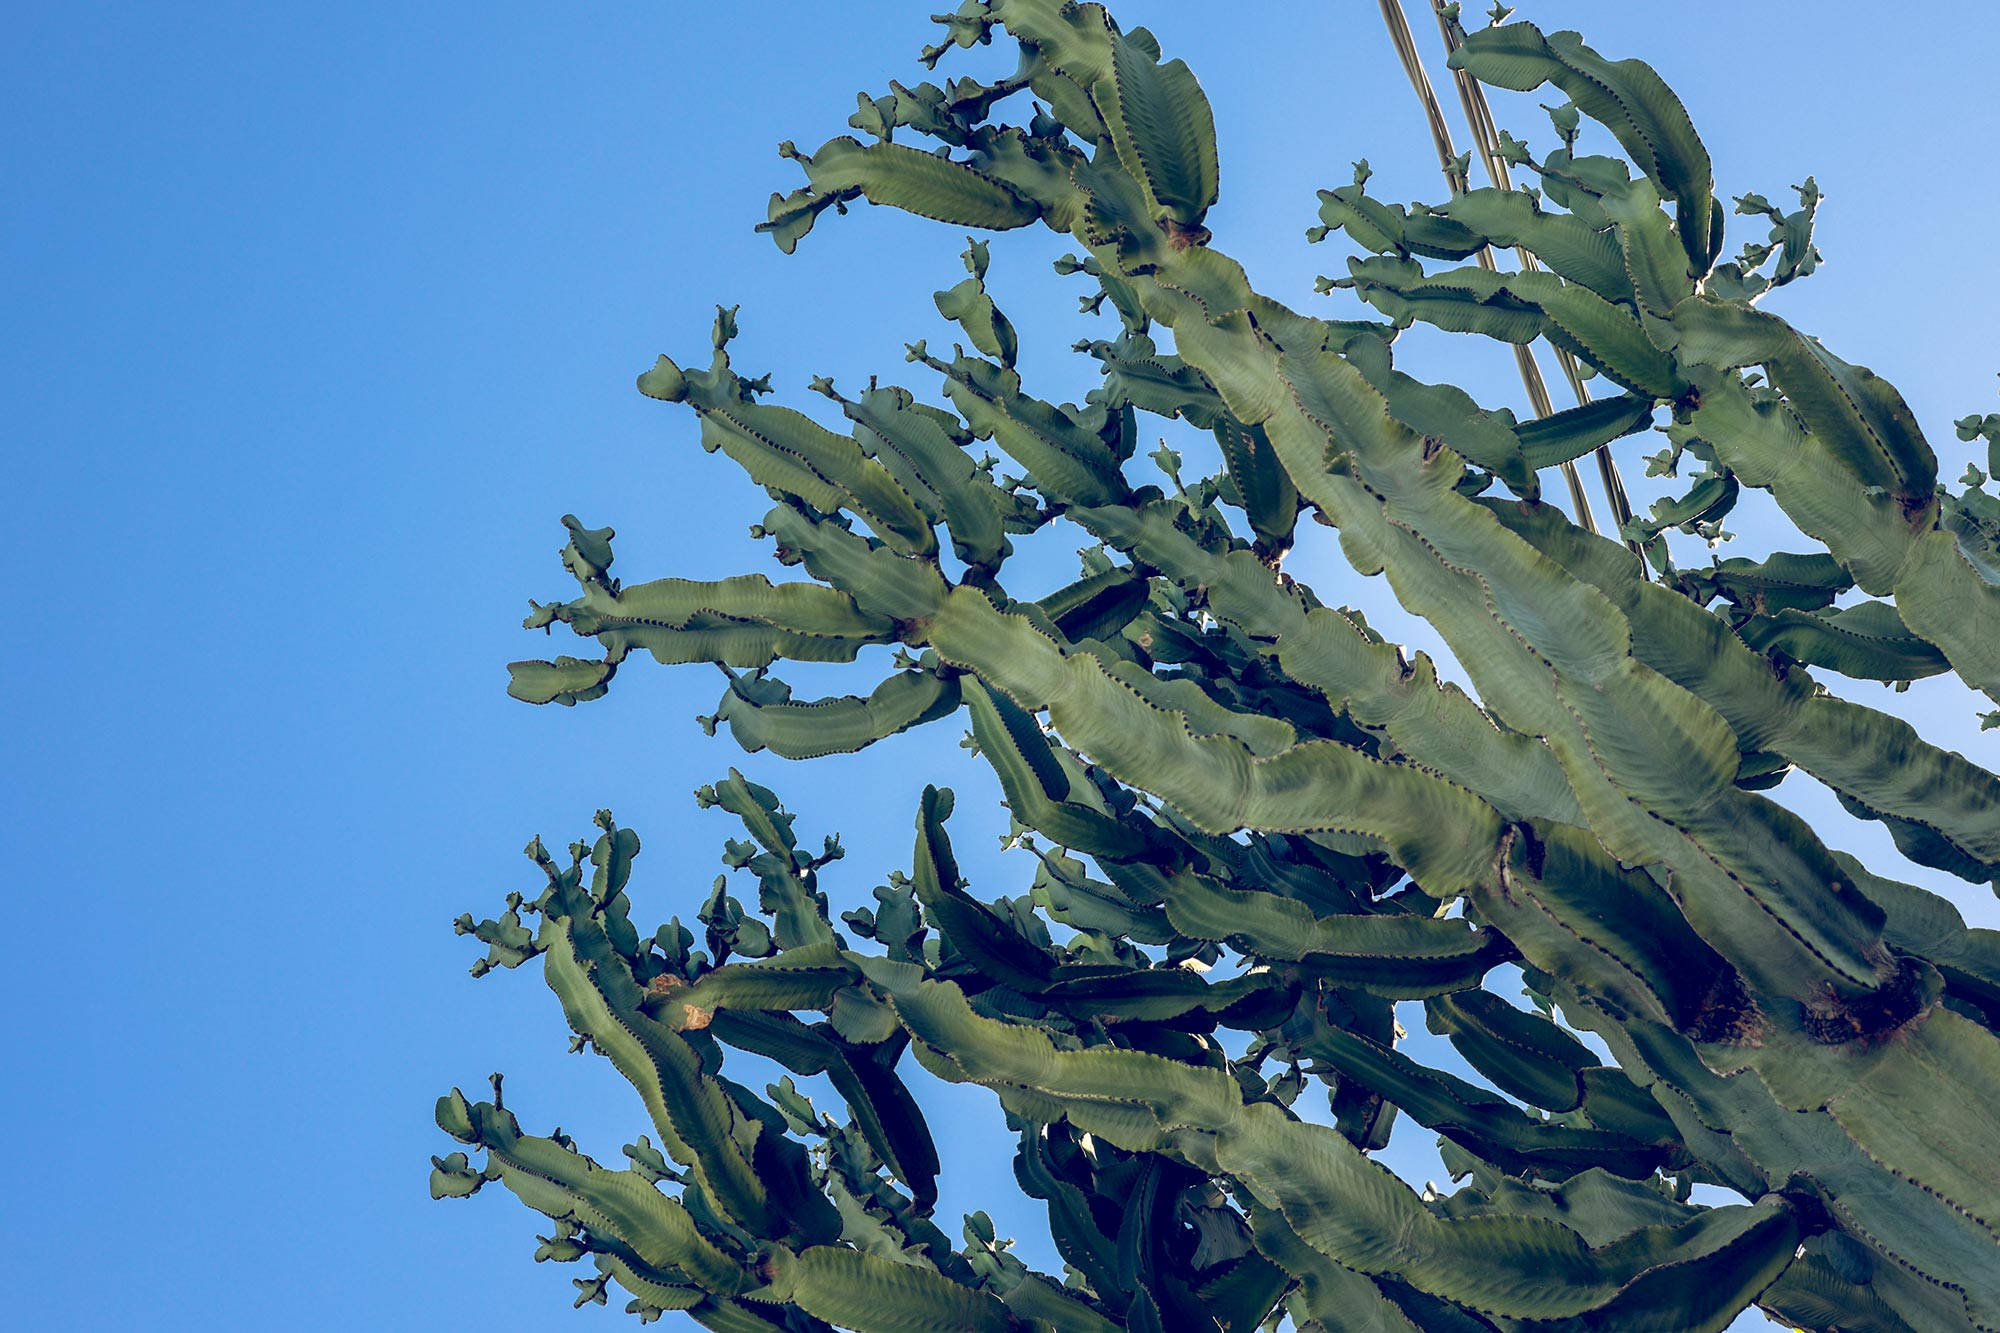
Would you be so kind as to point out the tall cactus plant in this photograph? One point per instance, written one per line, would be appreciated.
(1257, 825)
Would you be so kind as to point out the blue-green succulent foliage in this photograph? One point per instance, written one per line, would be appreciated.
(1208, 762)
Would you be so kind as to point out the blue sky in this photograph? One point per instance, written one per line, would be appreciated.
(320, 317)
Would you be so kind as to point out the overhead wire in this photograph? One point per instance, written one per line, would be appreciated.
(1486, 135)
(1479, 116)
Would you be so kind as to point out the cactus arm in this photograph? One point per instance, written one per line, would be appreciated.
(1523, 1054)
(786, 888)
(899, 177)
(690, 1111)
(1577, 431)
(921, 451)
(991, 944)
(1216, 780)
(744, 622)
(873, 1295)
(762, 714)
(1843, 744)
(566, 1185)
(1477, 1120)
(1625, 96)
(1367, 678)
(1401, 955)
(1305, 1167)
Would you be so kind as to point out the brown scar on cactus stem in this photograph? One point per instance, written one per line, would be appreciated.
(1183, 237)
(1728, 1014)
(656, 1002)
(1873, 1017)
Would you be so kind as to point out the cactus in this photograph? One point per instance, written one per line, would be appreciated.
(1257, 825)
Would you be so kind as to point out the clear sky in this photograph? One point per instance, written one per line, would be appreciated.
(318, 318)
